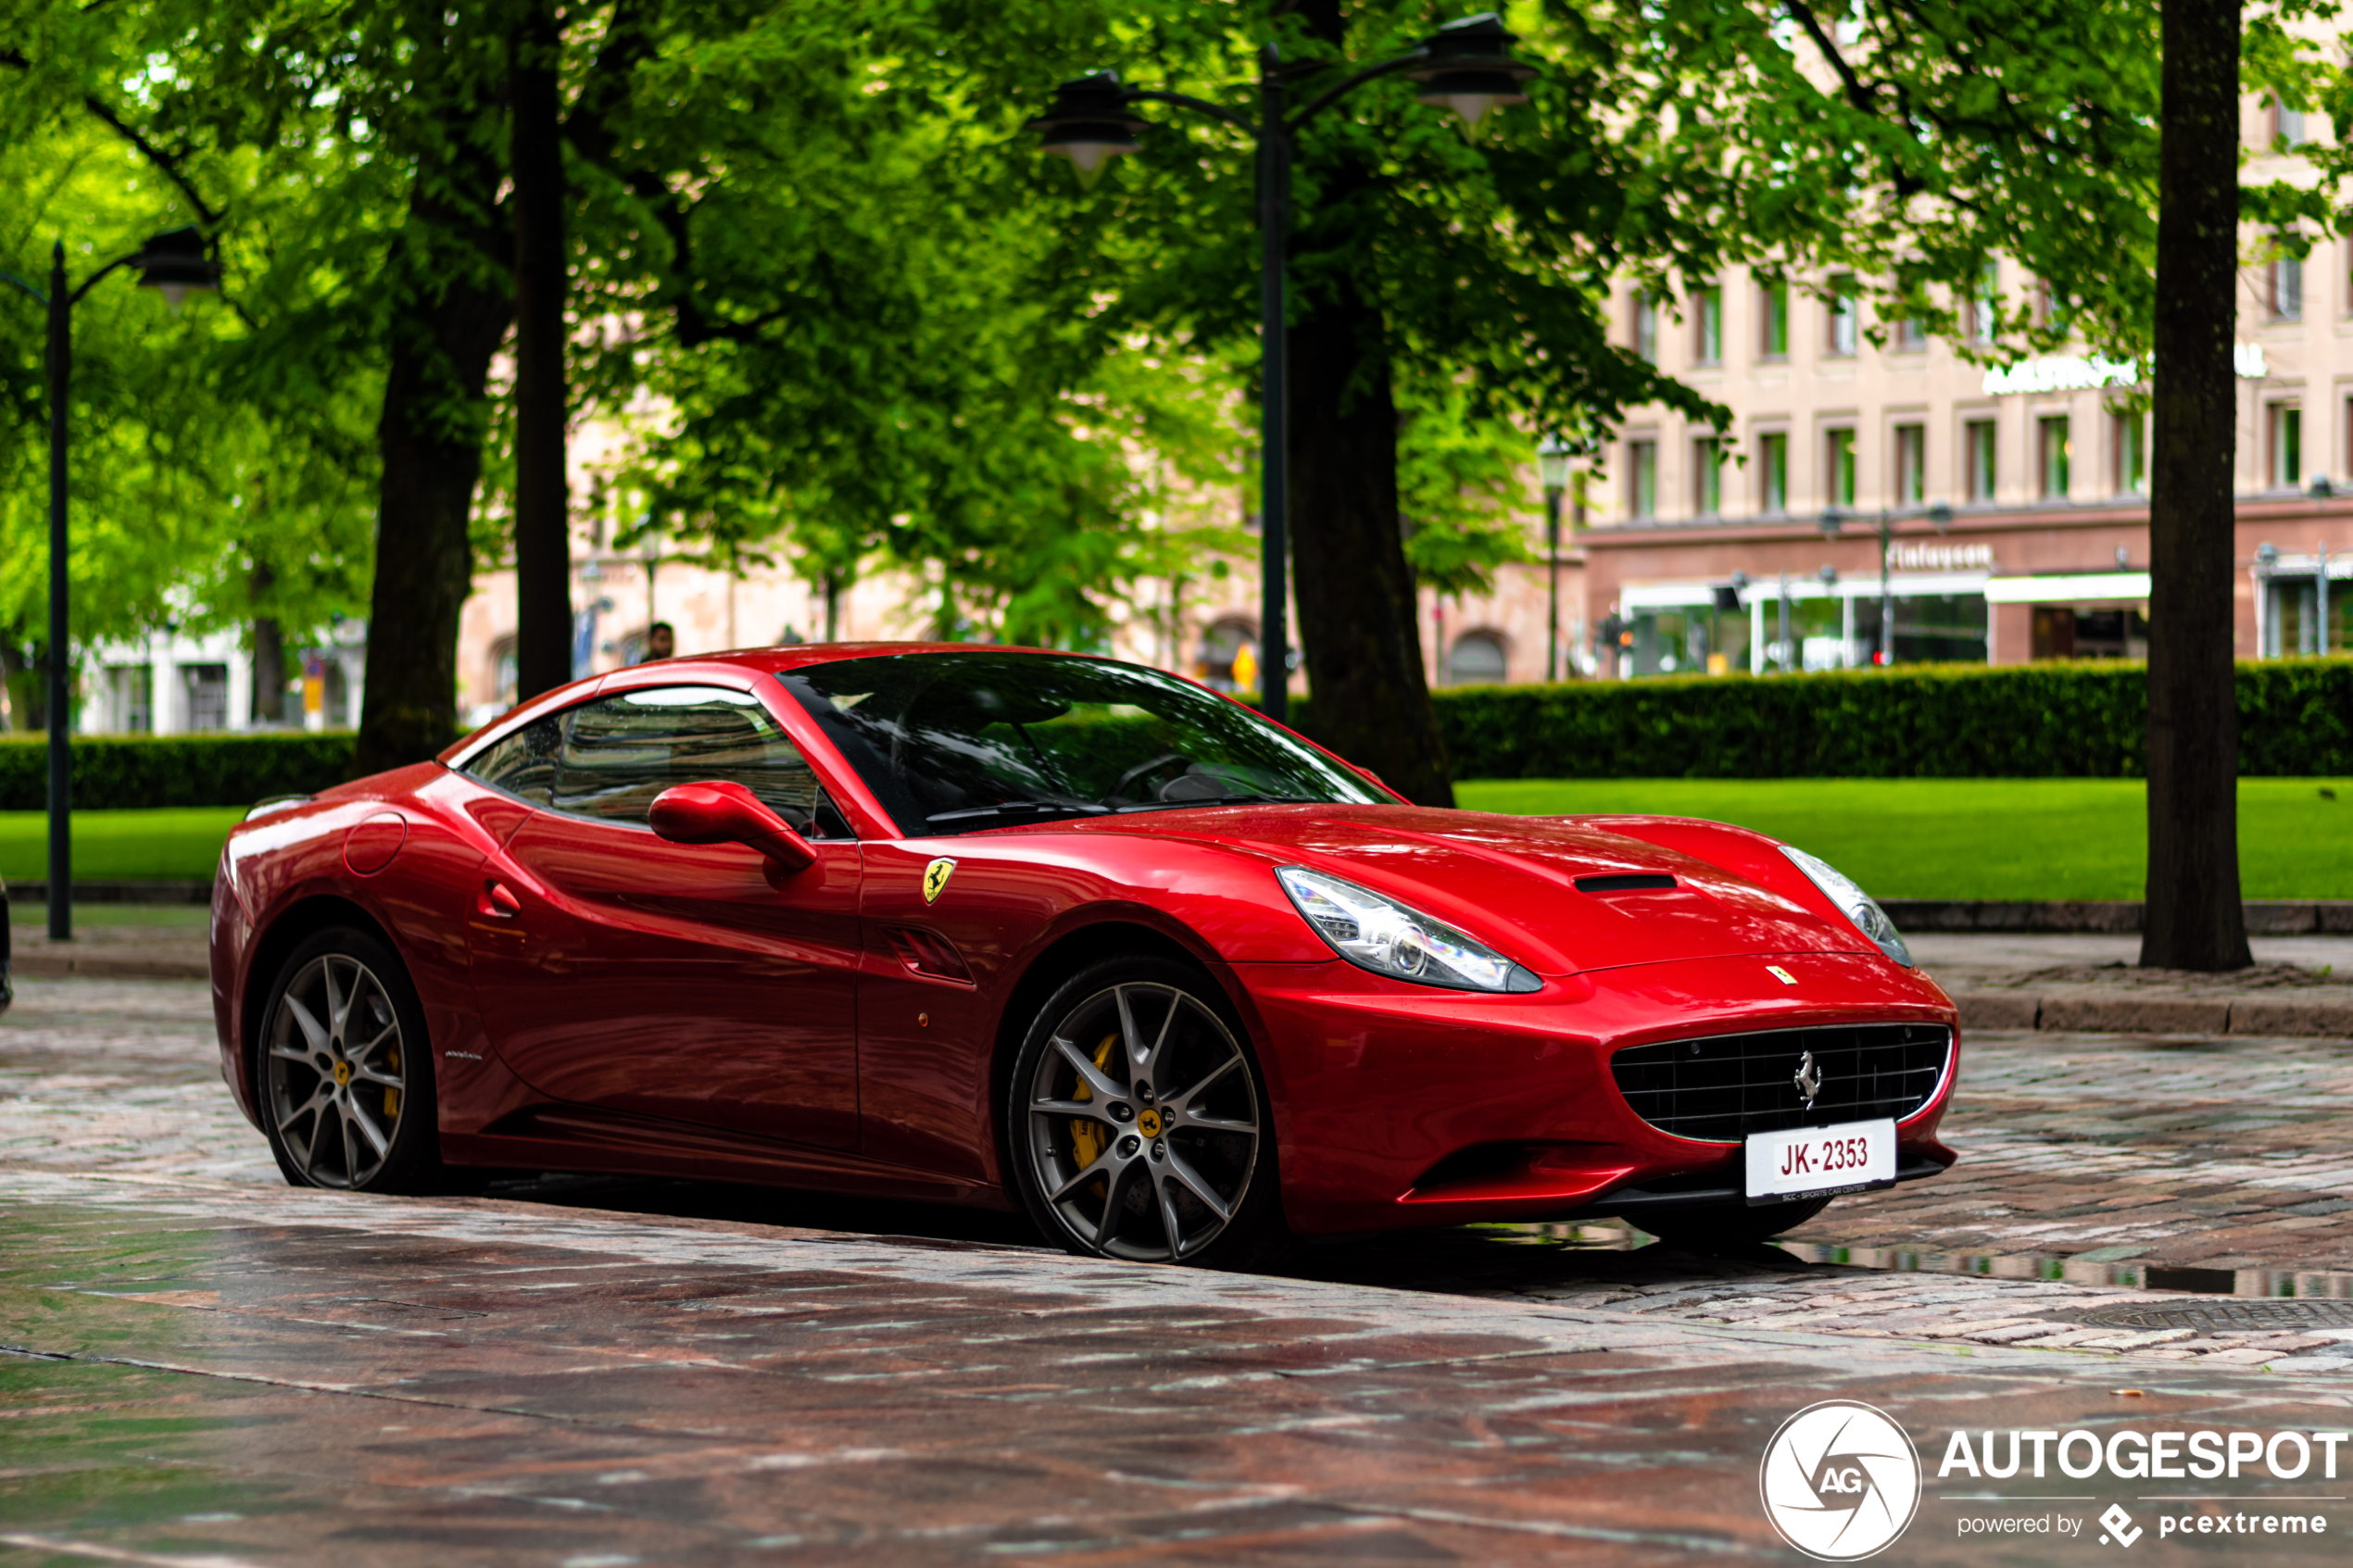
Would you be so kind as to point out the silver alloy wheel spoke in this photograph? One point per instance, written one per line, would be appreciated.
(1092, 1109)
(376, 1140)
(313, 1032)
(1201, 1188)
(1101, 1164)
(1114, 1203)
(1091, 1076)
(1169, 1220)
(1216, 1075)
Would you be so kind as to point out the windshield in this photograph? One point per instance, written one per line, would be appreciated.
(955, 742)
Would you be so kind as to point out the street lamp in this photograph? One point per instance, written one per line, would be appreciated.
(1552, 466)
(1465, 66)
(172, 264)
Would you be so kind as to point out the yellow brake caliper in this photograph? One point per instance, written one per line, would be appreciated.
(1087, 1138)
(392, 1095)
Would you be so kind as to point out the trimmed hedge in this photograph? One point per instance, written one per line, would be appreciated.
(116, 772)
(2030, 720)
(1927, 721)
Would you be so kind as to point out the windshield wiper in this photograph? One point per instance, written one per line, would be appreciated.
(1011, 809)
(1223, 800)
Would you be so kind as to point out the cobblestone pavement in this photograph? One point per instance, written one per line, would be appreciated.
(199, 1365)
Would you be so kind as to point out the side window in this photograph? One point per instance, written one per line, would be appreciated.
(621, 751)
(524, 763)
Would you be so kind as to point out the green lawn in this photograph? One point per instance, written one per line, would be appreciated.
(1902, 838)
(1979, 838)
(120, 845)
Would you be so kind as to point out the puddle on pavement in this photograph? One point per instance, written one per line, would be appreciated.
(2100, 1266)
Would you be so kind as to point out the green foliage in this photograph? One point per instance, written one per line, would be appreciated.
(2033, 721)
(120, 772)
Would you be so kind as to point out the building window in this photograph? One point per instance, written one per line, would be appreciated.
(1642, 474)
(1976, 442)
(2131, 455)
(1843, 316)
(1841, 458)
(1775, 315)
(1476, 660)
(1646, 326)
(2288, 289)
(1707, 475)
(204, 699)
(1709, 306)
(1912, 465)
(1981, 307)
(2050, 435)
(2287, 447)
(2288, 125)
(1772, 470)
(1911, 336)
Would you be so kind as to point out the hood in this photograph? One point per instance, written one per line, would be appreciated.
(1512, 882)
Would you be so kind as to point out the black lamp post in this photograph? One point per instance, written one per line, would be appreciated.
(171, 264)
(1465, 66)
(1552, 466)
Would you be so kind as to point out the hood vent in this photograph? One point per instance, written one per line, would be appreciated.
(1632, 883)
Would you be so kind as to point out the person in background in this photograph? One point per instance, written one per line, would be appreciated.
(662, 641)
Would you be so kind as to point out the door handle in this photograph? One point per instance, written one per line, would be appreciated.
(497, 901)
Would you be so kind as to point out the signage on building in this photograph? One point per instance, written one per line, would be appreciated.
(1942, 558)
(2088, 372)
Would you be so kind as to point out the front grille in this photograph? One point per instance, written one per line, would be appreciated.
(1722, 1088)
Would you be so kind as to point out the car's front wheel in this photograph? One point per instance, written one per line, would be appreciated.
(1139, 1123)
(345, 1077)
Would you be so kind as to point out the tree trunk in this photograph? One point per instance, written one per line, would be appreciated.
(446, 322)
(1358, 623)
(1359, 629)
(2194, 918)
(269, 653)
(543, 541)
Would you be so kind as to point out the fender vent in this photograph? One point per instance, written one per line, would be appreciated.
(928, 953)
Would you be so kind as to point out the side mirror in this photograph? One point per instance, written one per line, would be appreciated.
(728, 813)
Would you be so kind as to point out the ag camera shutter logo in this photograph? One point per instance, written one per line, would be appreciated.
(1840, 1481)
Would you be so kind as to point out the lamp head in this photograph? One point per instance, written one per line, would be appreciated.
(1832, 520)
(174, 264)
(1467, 67)
(1551, 462)
(2267, 555)
(2320, 488)
(1087, 123)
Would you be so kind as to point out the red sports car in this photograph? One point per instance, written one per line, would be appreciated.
(1034, 929)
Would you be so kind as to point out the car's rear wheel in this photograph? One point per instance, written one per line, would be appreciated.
(1728, 1227)
(1140, 1123)
(345, 1077)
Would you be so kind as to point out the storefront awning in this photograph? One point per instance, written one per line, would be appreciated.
(2075, 588)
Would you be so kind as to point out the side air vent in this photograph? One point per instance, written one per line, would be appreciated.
(928, 953)
(1630, 882)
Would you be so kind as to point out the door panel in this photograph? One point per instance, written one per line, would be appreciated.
(671, 980)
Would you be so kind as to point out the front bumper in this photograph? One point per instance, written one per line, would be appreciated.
(1401, 1105)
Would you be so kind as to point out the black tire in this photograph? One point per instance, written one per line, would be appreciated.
(1169, 1112)
(341, 1062)
(1729, 1227)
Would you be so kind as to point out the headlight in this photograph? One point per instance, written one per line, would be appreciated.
(1856, 904)
(1386, 937)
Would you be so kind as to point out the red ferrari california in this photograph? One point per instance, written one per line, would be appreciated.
(1044, 932)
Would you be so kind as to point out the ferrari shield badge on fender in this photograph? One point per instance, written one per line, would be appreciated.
(1775, 970)
(936, 877)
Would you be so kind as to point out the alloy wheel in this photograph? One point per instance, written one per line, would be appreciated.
(338, 1072)
(1143, 1122)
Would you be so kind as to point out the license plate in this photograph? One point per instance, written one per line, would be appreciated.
(1820, 1162)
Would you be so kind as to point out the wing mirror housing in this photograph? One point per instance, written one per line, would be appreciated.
(721, 812)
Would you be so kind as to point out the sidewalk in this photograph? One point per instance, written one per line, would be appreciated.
(2090, 983)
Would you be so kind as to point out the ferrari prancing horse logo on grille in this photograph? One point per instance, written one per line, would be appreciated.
(936, 877)
(1809, 1079)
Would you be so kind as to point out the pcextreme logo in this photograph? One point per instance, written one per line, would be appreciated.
(1839, 1481)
